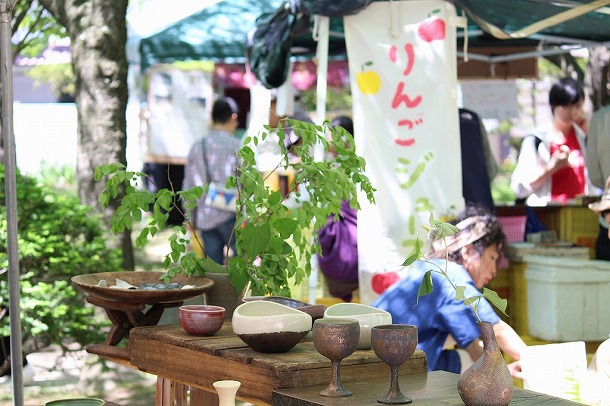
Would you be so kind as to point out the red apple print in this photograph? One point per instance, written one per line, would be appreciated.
(432, 28)
(382, 281)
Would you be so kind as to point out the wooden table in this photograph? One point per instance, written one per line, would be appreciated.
(178, 358)
(427, 389)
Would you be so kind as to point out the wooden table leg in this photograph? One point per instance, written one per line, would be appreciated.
(165, 392)
(200, 397)
(181, 394)
(170, 393)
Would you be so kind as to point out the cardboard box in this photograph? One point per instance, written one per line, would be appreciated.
(568, 299)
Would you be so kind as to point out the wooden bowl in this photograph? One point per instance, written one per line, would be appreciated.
(89, 284)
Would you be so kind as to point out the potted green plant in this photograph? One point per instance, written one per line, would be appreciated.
(488, 380)
(274, 241)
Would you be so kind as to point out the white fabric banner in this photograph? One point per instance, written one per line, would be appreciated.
(180, 106)
(402, 60)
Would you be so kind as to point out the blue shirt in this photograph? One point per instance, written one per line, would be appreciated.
(438, 314)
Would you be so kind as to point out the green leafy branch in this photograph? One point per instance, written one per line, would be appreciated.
(439, 230)
(276, 242)
(134, 201)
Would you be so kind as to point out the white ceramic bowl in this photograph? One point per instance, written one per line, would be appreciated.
(270, 327)
(367, 316)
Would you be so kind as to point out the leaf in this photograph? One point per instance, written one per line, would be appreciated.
(440, 229)
(460, 293)
(238, 278)
(209, 265)
(142, 238)
(417, 252)
(470, 301)
(411, 259)
(255, 238)
(275, 198)
(495, 300)
(286, 227)
(426, 285)
(103, 199)
(97, 174)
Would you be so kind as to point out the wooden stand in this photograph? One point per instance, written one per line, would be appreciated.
(125, 316)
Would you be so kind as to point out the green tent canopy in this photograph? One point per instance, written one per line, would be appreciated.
(216, 33)
(567, 21)
(219, 32)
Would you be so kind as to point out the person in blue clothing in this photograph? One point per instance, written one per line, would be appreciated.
(447, 329)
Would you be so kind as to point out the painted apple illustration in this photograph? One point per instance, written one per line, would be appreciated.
(368, 81)
(432, 28)
(382, 281)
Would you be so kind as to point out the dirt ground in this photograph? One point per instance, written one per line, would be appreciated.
(51, 376)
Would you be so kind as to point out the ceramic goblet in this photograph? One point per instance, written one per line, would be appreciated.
(336, 339)
(394, 344)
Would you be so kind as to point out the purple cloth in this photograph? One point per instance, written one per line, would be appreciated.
(338, 239)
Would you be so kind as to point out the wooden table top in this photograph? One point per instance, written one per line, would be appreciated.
(428, 389)
(169, 352)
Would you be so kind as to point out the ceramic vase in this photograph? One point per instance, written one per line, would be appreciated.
(227, 391)
(222, 294)
(488, 381)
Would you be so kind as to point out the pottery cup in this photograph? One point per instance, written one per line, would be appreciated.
(201, 320)
(367, 317)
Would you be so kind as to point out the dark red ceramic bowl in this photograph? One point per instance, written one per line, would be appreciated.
(201, 320)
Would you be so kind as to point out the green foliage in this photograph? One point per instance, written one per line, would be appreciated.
(33, 28)
(274, 242)
(439, 230)
(57, 238)
(501, 190)
(341, 100)
(58, 176)
(59, 76)
(136, 200)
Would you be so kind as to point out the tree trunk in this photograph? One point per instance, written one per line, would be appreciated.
(598, 77)
(567, 63)
(98, 34)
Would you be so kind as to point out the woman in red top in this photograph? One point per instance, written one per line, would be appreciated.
(551, 164)
(569, 179)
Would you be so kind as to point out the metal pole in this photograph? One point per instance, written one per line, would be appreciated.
(6, 77)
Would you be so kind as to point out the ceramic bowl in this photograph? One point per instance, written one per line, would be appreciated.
(367, 317)
(270, 327)
(76, 402)
(315, 311)
(201, 320)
